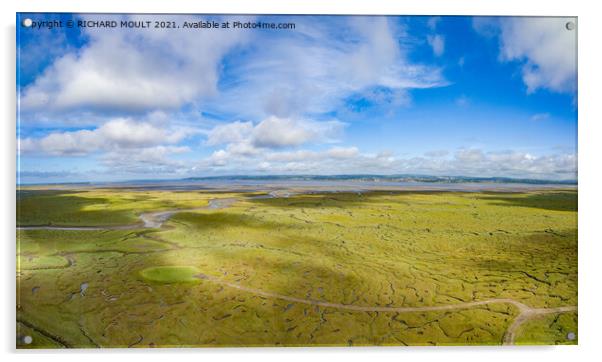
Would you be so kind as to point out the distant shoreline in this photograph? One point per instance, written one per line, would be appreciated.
(306, 186)
(362, 179)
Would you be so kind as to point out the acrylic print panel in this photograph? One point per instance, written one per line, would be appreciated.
(211, 181)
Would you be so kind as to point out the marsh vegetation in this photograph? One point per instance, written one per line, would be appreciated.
(346, 268)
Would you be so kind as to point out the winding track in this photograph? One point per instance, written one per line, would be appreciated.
(155, 220)
(526, 312)
(531, 313)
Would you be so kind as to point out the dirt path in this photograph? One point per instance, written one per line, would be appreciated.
(526, 312)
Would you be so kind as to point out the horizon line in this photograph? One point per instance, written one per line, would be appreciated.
(435, 178)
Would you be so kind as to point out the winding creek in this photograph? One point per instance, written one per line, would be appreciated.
(149, 220)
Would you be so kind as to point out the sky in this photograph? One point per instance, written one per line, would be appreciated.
(456, 96)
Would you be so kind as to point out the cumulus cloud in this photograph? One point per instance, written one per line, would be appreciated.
(546, 50)
(133, 70)
(284, 132)
(120, 133)
(279, 132)
(234, 132)
(248, 139)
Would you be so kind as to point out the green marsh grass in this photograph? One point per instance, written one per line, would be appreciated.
(401, 249)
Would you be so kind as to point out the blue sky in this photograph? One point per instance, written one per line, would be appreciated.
(336, 95)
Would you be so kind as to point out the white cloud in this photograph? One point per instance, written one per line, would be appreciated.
(219, 158)
(120, 133)
(246, 142)
(234, 132)
(349, 160)
(247, 139)
(342, 152)
(437, 42)
(133, 70)
(293, 156)
(546, 50)
(282, 84)
(476, 162)
(470, 156)
(281, 132)
(149, 160)
(274, 132)
(339, 153)
(75, 143)
(312, 71)
(126, 133)
(329, 161)
(156, 74)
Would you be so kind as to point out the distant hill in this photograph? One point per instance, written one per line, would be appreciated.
(352, 178)
(387, 178)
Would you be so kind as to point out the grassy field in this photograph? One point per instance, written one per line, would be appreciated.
(261, 272)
